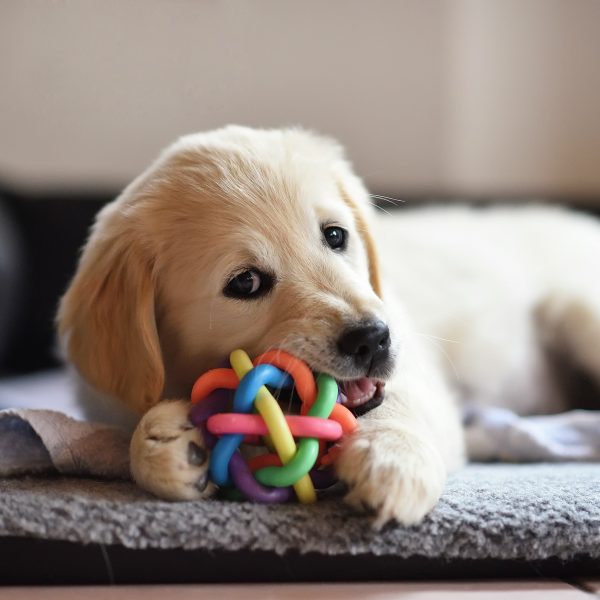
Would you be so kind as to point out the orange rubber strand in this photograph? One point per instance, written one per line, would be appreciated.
(345, 418)
(349, 424)
(298, 369)
(330, 457)
(213, 380)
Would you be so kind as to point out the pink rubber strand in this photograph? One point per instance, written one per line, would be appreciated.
(225, 423)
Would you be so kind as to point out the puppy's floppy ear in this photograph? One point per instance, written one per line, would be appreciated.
(106, 318)
(364, 231)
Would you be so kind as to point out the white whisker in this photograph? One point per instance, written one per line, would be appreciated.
(379, 208)
(388, 199)
(435, 337)
(440, 347)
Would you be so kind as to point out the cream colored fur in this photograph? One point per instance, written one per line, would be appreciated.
(470, 296)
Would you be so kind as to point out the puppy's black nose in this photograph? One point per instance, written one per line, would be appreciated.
(368, 344)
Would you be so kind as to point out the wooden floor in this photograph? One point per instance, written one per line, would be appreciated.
(483, 590)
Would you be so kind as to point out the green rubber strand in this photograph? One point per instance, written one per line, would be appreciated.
(308, 448)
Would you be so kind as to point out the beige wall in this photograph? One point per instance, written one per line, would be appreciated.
(523, 97)
(456, 96)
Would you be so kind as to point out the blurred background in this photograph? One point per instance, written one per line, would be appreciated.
(435, 100)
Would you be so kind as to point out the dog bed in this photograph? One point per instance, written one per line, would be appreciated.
(493, 520)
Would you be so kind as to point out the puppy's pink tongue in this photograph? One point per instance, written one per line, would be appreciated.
(358, 391)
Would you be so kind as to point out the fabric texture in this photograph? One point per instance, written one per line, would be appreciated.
(498, 434)
(41, 441)
(527, 512)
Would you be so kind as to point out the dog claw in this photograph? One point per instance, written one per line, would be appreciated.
(202, 482)
(197, 455)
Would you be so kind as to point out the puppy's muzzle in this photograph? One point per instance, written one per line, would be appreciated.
(367, 345)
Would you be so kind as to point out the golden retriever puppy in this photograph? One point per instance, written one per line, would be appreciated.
(259, 239)
(253, 239)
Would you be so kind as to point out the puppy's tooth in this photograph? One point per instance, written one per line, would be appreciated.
(202, 482)
(196, 454)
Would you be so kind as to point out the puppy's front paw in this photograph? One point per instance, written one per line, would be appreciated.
(167, 454)
(398, 474)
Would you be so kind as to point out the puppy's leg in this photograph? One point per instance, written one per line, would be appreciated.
(167, 454)
(397, 461)
(570, 322)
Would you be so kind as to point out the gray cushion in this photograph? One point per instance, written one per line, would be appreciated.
(524, 512)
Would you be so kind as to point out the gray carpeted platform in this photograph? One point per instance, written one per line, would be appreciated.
(525, 512)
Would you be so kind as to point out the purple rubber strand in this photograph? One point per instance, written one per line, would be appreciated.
(252, 489)
(218, 401)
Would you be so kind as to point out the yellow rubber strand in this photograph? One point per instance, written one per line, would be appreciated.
(281, 436)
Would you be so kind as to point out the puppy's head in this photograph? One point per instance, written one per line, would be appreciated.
(234, 238)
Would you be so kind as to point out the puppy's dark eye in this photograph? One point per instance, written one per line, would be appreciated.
(249, 284)
(335, 237)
